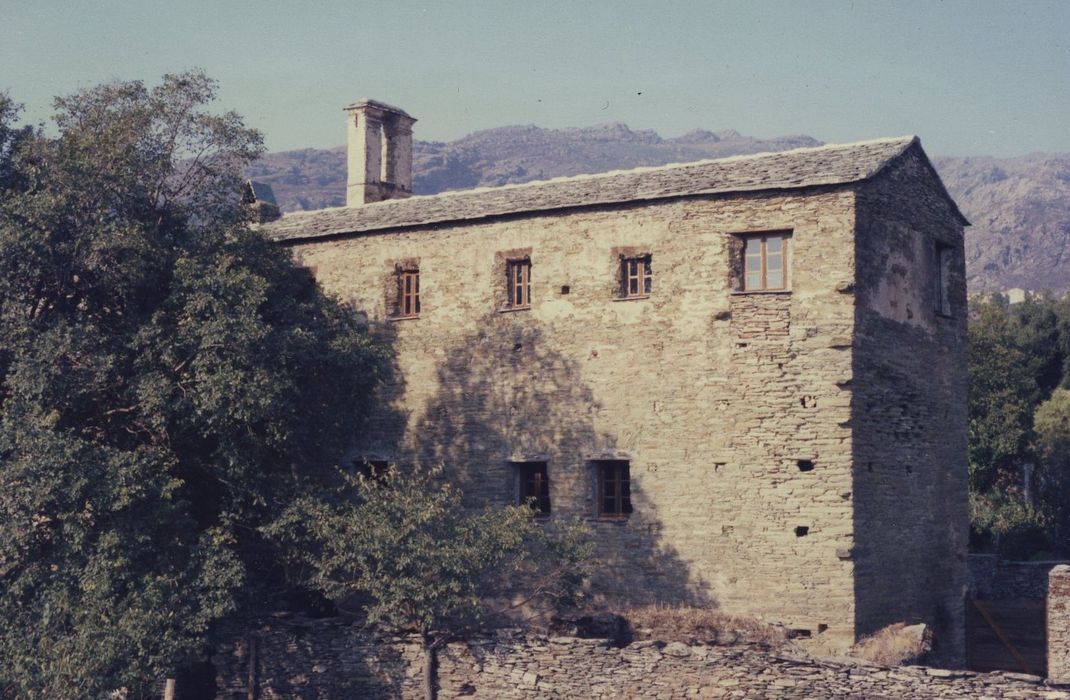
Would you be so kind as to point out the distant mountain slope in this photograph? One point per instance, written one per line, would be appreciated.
(312, 179)
(1019, 207)
(1020, 211)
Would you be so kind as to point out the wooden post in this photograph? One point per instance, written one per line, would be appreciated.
(169, 689)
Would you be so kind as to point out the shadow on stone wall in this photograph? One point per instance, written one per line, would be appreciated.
(506, 394)
(502, 393)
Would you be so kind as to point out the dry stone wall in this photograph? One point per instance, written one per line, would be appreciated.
(997, 579)
(733, 410)
(323, 660)
(1059, 624)
(796, 456)
(909, 409)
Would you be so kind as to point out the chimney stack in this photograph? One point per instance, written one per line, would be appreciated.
(380, 153)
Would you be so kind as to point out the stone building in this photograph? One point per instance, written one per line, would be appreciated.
(747, 374)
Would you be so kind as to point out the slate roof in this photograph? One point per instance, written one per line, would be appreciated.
(803, 167)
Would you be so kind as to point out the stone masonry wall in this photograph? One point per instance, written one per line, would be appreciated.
(997, 579)
(909, 412)
(1059, 624)
(733, 410)
(323, 660)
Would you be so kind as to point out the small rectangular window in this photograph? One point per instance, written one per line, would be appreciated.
(408, 293)
(765, 262)
(534, 486)
(614, 489)
(636, 277)
(942, 278)
(518, 278)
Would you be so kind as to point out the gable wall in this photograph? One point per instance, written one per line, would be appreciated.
(713, 397)
(910, 418)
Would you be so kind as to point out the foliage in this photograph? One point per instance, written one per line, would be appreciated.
(1003, 395)
(1052, 426)
(1019, 434)
(424, 563)
(170, 382)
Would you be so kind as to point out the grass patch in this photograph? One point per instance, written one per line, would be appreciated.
(894, 645)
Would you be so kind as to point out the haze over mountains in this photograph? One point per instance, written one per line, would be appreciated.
(1019, 207)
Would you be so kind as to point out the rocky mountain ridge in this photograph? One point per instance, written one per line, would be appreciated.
(1019, 207)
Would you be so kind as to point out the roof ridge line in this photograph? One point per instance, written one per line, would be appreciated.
(908, 140)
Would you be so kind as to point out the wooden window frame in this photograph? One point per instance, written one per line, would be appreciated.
(613, 484)
(642, 275)
(408, 305)
(518, 283)
(763, 256)
(531, 477)
(943, 255)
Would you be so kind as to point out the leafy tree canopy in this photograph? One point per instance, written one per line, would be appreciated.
(169, 382)
(1019, 468)
(420, 562)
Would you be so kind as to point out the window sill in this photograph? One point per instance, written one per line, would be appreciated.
(635, 298)
(511, 309)
(760, 292)
(612, 519)
(392, 319)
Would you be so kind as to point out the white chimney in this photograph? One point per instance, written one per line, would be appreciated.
(380, 153)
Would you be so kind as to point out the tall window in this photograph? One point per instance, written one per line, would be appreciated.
(614, 489)
(534, 486)
(941, 278)
(765, 261)
(408, 293)
(635, 277)
(518, 277)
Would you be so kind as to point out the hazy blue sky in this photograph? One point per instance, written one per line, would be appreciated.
(969, 77)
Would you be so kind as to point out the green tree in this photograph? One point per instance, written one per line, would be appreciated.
(1052, 426)
(1003, 395)
(423, 563)
(169, 382)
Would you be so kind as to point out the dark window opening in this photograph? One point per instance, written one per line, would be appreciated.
(802, 531)
(371, 468)
(518, 278)
(534, 486)
(636, 278)
(941, 277)
(765, 262)
(799, 634)
(614, 489)
(408, 293)
(565, 289)
(806, 465)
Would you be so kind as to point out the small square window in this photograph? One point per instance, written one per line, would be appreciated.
(765, 262)
(518, 280)
(636, 278)
(533, 486)
(614, 489)
(408, 305)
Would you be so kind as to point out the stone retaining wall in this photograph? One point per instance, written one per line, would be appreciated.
(994, 579)
(321, 659)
